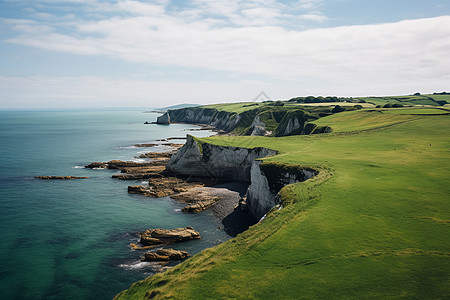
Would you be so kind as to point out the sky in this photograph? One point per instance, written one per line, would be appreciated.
(130, 53)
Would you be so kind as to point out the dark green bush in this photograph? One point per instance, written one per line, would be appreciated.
(337, 109)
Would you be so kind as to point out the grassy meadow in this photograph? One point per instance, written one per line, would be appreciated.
(374, 224)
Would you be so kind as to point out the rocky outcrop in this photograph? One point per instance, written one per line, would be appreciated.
(267, 180)
(213, 161)
(165, 255)
(136, 176)
(168, 236)
(197, 199)
(163, 186)
(292, 123)
(260, 121)
(116, 164)
(222, 120)
(241, 164)
(59, 177)
(260, 131)
(164, 119)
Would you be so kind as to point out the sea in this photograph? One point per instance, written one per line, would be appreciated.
(70, 239)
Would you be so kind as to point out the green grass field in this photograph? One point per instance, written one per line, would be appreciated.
(374, 224)
(408, 100)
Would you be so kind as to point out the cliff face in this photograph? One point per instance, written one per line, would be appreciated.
(267, 180)
(220, 119)
(261, 121)
(233, 163)
(164, 119)
(207, 160)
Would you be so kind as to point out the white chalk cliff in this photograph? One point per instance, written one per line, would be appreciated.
(200, 159)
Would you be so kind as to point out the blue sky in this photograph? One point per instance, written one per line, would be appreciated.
(117, 53)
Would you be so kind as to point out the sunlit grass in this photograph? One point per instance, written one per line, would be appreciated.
(373, 224)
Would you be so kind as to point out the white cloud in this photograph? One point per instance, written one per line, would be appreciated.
(250, 37)
(314, 16)
(373, 50)
(309, 4)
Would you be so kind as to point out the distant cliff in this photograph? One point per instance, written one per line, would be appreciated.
(265, 120)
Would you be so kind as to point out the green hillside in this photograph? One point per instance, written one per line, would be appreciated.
(374, 224)
(430, 99)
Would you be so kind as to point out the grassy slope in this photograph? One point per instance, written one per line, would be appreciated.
(234, 107)
(408, 100)
(377, 228)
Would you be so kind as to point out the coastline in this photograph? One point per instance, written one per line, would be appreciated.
(226, 210)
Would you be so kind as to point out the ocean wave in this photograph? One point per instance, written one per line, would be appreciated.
(78, 167)
(136, 265)
(138, 160)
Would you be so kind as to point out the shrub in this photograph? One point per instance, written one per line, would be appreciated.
(387, 105)
(337, 109)
(277, 103)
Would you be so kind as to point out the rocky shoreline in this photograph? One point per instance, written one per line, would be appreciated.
(197, 193)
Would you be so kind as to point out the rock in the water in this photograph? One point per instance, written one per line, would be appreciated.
(198, 207)
(156, 155)
(96, 165)
(167, 236)
(117, 164)
(163, 187)
(59, 177)
(197, 199)
(165, 255)
(145, 145)
(136, 176)
(163, 120)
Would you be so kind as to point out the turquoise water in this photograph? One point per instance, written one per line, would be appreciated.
(70, 239)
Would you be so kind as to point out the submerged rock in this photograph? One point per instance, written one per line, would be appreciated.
(165, 255)
(146, 145)
(136, 176)
(168, 236)
(96, 165)
(117, 164)
(60, 177)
